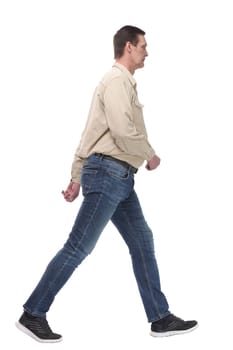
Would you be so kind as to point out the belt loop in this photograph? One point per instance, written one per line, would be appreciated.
(99, 155)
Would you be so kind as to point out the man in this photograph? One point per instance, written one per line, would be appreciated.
(113, 146)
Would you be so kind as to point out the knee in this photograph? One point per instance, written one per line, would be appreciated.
(75, 252)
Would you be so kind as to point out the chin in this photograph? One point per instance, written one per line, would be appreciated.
(140, 65)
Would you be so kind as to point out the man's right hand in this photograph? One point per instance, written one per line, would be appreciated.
(153, 163)
(71, 192)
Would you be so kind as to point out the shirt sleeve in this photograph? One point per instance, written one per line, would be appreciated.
(76, 169)
(120, 118)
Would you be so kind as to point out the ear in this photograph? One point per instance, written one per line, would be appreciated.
(128, 47)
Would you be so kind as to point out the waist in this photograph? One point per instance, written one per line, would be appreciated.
(125, 164)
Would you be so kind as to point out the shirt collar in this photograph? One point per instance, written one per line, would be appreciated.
(126, 72)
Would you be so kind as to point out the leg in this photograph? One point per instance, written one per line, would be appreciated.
(129, 220)
(104, 187)
(91, 219)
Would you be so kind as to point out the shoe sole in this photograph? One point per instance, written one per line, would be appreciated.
(32, 335)
(170, 333)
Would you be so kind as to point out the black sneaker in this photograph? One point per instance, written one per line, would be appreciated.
(37, 328)
(171, 325)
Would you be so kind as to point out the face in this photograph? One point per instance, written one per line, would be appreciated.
(139, 52)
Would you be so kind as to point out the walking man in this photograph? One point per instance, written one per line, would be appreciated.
(114, 144)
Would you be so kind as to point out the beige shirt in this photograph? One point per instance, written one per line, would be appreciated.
(115, 124)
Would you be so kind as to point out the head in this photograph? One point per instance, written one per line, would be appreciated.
(130, 47)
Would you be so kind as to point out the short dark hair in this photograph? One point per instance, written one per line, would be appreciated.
(122, 36)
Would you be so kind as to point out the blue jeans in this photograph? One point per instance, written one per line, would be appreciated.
(108, 190)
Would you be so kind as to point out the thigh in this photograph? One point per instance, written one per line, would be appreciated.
(130, 222)
(95, 212)
(103, 189)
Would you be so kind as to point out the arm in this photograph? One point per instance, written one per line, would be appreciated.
(121, 121)
(73, 189)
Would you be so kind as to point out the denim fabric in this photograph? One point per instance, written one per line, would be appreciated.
(108, 190)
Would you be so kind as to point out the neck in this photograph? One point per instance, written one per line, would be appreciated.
(127, 64)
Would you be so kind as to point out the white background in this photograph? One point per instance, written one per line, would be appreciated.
(53, 53)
